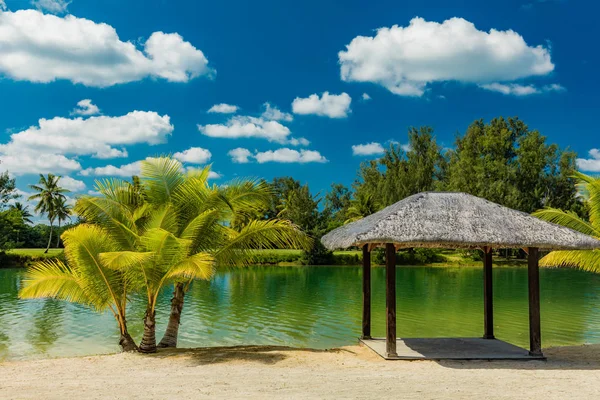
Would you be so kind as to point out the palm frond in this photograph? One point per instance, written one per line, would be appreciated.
(586, 260)
(567, 219)
(54, 279)
(197, 266)
(161, 176)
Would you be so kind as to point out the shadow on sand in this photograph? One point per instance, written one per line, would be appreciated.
(216, 355)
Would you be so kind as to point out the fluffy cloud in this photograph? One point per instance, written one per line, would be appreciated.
(85, 107)
(247, 127)
(44, 148)
(126, 170)
(71, 184)
(367, 149)
(366, 97)
(275, 114)
(2, 5)
(240, 155)
(328, 105)
(223, 109)
(51, 6)
(41, 47)
(521, 90)
(283, 155)
(591, 164)
(194, 155)
(405, 59)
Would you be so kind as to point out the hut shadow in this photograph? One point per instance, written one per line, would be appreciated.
(268, 355)
(586, 357)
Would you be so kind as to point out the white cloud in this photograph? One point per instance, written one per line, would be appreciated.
(44, 148)
(32, 163)
(366, 97)
(367, 149)
(3, 6)
(126, 170)
(39, 47)
(521, 90)
(283, 155)
(71, 184)
(240, 155)
(275, 114)
(51, 6)
(223, 108)
(193, 155)
(299, 142)
(211, 174)
(286, 155)
(85, 107)
(247, 127)
(591, 164)
(328, 105)
(405, 59)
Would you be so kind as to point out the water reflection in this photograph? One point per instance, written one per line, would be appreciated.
(313, 307)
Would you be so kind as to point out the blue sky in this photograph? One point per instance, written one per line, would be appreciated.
(151, 70)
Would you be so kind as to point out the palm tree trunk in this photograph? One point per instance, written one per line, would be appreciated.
(170, 337)
(49, 239)
(58, 235)
(125, 341)
(148, 344)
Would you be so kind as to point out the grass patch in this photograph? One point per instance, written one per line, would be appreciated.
(36, 253)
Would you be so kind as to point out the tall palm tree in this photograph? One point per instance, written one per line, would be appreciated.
(62, 211)
(588, 260)
(23, 210)
(48, 191)
(85, 278)
(178, 229)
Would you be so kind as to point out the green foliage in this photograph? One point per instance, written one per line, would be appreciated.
(7, 190)
(587, 260)
(409, 256)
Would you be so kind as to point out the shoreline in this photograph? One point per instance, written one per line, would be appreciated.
(284, 372)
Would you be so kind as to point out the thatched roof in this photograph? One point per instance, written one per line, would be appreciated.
(455, 220)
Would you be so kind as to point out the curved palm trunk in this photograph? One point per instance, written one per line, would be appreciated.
(58, 236)
(170, 337)
(148, 344)
(50, 238)
(127, 343)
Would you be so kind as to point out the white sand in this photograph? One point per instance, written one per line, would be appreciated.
(268, 372)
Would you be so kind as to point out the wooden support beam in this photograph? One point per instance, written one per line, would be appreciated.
(488, 307)
(390, 299)
(535, 335)
(366, 316)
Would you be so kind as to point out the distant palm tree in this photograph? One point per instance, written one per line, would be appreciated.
(588, 260)
(23, 210)
(62, 211)
(362, 205)
(47, 194)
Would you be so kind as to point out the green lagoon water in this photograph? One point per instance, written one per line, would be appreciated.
(317, 307)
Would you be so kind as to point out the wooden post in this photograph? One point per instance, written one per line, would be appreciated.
(390, 299)
(366, 316)
(535, 336)
(488, 307)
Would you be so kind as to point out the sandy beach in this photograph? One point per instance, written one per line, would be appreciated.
(275, 372)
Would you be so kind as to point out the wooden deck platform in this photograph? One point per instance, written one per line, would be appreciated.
(451, 349)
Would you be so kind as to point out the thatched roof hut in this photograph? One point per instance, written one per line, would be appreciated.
(455, 220)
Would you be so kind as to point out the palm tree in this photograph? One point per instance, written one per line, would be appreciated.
(588, 260)
(85, 278)
(62, 211)
(362, 205)
(23, 210)
(47, 194)
(177, 228)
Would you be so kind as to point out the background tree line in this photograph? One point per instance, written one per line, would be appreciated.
(503, 161)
